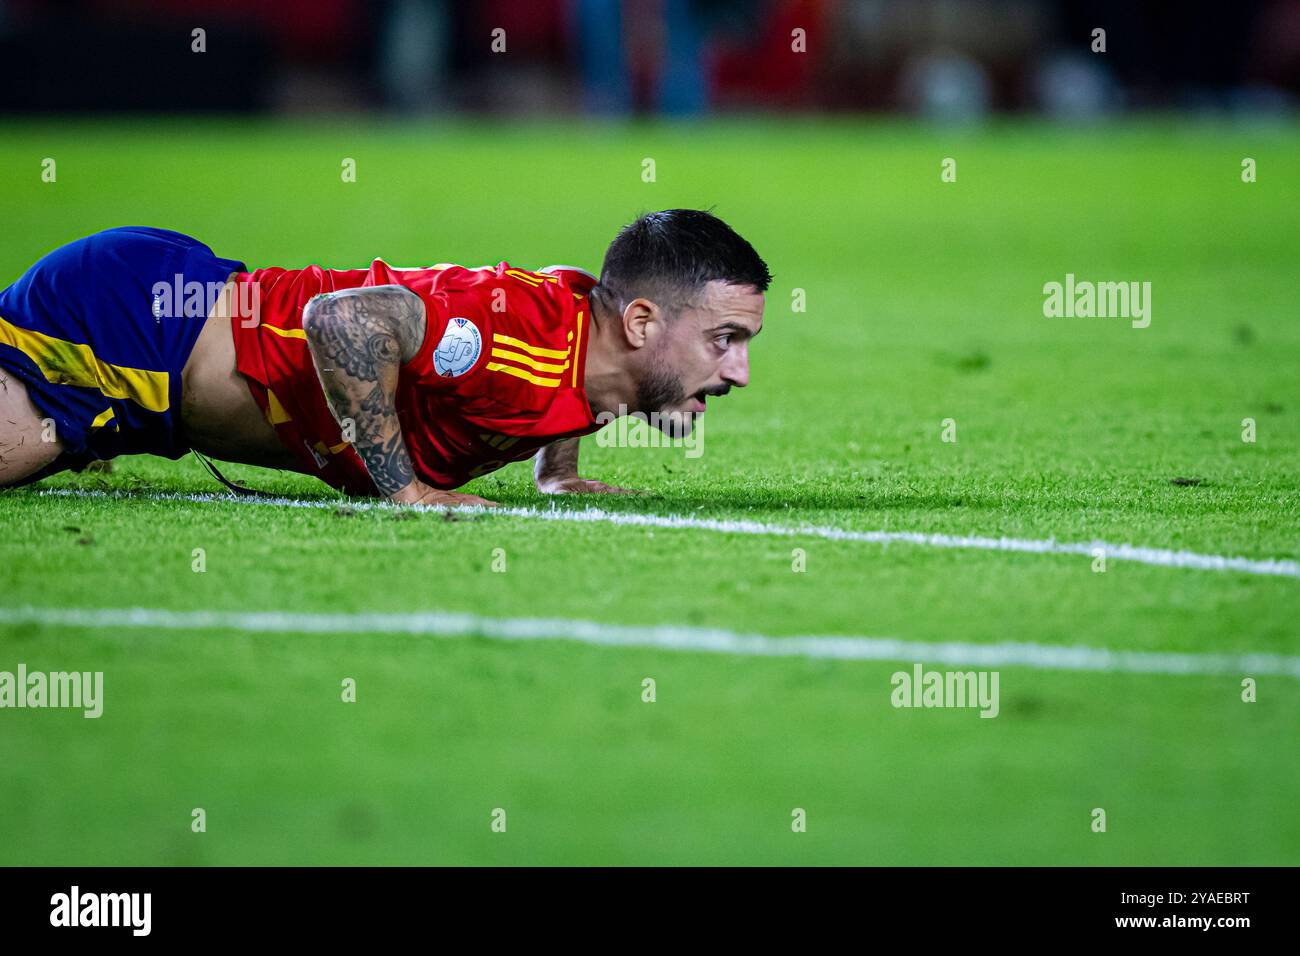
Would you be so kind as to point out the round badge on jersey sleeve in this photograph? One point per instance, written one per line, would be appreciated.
(459, 349)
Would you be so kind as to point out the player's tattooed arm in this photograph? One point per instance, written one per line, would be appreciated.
(359, 339)
(555, 471)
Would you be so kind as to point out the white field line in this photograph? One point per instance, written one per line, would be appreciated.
(1159, 557)
(670, 638)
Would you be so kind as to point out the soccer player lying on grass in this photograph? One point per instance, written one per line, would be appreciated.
(404, 383)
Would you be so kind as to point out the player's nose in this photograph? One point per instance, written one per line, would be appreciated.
(735, 370)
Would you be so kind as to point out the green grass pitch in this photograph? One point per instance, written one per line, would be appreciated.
(924, 303)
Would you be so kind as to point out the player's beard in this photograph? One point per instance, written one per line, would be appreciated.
(660, 390)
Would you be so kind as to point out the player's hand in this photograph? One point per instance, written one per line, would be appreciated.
(573, 485)
(418, 493)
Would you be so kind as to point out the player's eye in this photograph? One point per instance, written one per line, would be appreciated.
(724, 341)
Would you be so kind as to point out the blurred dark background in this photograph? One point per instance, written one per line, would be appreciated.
(947, 59)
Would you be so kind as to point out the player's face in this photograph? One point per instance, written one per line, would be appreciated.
(703, 352)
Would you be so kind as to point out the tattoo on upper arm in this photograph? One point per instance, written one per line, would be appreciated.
(369, 326)
(362, 336)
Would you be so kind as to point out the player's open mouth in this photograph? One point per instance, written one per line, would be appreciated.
(698, 399)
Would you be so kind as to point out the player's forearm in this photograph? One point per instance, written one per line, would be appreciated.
(556, 461)
(556, 472)
(359, 339)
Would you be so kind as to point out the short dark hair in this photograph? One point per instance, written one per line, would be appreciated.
(669, 256)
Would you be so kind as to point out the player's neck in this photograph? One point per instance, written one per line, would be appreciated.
(606, 382)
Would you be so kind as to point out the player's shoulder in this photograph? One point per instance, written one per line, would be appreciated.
(530, 336)
(509, 337)
(537, 312)
(543, 301)
(578, 279)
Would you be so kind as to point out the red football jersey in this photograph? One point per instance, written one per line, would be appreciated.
(499, 374)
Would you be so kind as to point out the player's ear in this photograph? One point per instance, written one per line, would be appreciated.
(641, 319)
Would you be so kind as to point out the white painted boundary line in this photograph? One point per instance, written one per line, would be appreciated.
(1159, 557)
(670, 638)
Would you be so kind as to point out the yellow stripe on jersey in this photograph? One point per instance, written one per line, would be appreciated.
(524, 277)
(520, 373)
(499, 442)
(275, 413)
(286, 333)
(578, 345)
(530, 349)
(530, 362)
(532, 278)
(103, 418)
(70, 363)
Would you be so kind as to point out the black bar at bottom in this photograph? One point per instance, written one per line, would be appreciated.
(334, 905)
